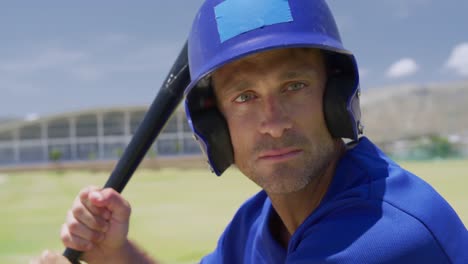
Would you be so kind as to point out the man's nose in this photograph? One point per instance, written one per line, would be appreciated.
(275, 118)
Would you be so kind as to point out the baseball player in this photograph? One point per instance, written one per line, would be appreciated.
(275, 93)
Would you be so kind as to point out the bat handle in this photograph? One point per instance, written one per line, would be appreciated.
(72, 255)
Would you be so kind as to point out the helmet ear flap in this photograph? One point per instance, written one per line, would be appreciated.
(341, 106)
(213, 126)
(210, 129)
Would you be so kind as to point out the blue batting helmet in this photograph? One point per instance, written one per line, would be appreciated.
(226, 30)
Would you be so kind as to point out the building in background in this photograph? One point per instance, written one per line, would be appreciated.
(91, 135)
(408, 122)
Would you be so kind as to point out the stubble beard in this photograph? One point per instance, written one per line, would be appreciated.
(293, 176)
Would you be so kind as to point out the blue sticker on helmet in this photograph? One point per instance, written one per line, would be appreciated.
(235, 17)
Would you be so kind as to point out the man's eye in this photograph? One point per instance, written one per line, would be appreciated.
(244, 97)
(295, 86)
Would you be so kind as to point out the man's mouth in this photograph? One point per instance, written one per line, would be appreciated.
(276, 155)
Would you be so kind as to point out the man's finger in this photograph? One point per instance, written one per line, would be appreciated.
(73, 241)
(113, 201)
(91, 230)
(81, 215)
(83, 198)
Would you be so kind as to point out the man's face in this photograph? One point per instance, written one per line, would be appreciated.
(272, 102)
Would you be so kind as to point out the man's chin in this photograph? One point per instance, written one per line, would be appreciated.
(281, 183)
(285, 188)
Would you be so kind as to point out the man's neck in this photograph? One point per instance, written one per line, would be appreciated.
(293, 208)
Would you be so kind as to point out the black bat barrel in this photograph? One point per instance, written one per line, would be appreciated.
(163, 106)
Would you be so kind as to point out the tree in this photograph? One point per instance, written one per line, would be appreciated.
(55, 156)
(440, 147)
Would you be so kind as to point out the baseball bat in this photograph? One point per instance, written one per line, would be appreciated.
(165, 103)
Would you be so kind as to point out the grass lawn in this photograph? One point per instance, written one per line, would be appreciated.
(178, 214)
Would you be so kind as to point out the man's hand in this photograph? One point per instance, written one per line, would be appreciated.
(97, 224)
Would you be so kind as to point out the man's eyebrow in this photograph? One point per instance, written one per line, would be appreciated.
(236, 86)
(233, 84)
(306, 71)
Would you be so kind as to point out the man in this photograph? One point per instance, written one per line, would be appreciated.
(274, 92)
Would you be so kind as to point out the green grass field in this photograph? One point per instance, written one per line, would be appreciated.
(178, 214)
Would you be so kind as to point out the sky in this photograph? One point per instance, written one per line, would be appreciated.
(63, 56)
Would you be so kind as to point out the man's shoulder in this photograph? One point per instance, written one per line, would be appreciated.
(366, 173)
(372, 233)
(381, 223)
(389, 204)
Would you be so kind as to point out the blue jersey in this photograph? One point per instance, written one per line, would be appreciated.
(373, 212)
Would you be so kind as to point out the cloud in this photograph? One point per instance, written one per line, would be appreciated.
(458, 60)
(88, 72)
(363, 72)
(28, 73)
(345, 23)
(52, 58)
(115, 39)
(17, 87)
(31, 117)
(405, 8)
(402, 68)
(153, 58)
